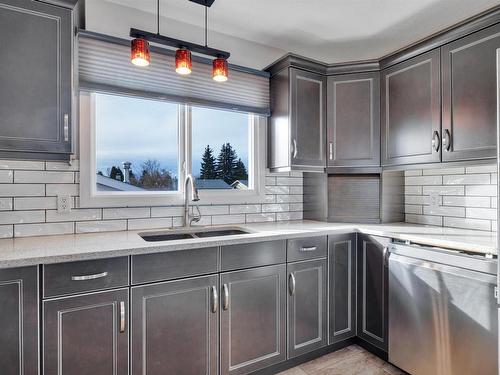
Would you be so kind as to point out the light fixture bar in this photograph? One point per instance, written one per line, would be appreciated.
(177, 43)
(206, 3)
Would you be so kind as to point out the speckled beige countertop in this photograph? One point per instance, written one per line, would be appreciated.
(56, 249)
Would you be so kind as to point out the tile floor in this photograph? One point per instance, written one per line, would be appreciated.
(352, 360)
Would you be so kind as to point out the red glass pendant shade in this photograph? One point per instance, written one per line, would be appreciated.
(220, 70)
(139, 54)
(183, 62)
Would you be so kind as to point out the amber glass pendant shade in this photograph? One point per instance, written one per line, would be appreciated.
(220, 70)
(183, 62)
(139, 54)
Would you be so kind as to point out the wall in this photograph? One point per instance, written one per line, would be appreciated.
(28, 204)
(464, 197)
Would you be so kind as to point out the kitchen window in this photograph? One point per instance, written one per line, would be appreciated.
(136, 151)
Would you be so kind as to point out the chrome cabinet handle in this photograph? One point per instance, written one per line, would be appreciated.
(435, 141)
(66, 127)
(446, 140)
(225, 302)
(294, 148)
(330, 150)
(122, 316)
(215, 299)
(308, 248)
(89, 277)
(291, 284)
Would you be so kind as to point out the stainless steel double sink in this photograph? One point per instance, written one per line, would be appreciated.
(192, 233)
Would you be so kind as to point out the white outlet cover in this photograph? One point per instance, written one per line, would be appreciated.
(434, 199)
(63, 204)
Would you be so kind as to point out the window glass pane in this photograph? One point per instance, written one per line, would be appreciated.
(137, 146)
(220, 144)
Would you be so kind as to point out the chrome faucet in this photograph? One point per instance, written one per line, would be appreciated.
(188, 219)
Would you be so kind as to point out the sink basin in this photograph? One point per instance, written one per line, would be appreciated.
(191, 233)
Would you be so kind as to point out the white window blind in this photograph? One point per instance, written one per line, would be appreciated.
(105, 65)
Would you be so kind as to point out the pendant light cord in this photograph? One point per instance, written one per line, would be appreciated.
(158, 16)
(206, 26)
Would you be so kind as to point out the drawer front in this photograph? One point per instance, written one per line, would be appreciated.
(85, 276)
(252, 255)
(174, 265)
(306, 248)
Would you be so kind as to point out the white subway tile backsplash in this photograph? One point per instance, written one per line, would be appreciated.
(62, 166)
(228, 219)
(6, 231)
(245, 208)
(289, 198)
(286, 216)
(6, 177)
(444, 190)
(481, 190)
(262, 217)
(20, 217)
(22, 190)
(28, 230)
(35, 203)
(154, 223)
(413, 209)
(424, 219)
(167, 211)
(424, 180)
(81, 214)
(443, 171)
(444, 211)
(6, 204)
(467, 179)
(278, 189)
(101, 226)
(61, 189)
(214, 210)
(415, 172)
(290, 181)
(481, 213)
(413, 190)
(466, 201)
(43, 177)
(22, 165)
(488, 168)
(126, 213)
(275, 207)
(455, 222)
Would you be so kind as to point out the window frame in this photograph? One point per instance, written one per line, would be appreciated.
(90, 197)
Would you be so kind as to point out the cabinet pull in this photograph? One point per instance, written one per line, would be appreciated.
(89, 277)
(294, 148)
(122, 316)
(215, 299)
(446, 140)
(385, 254)
(225, 302)
(330, 150)
(291, 284)
(308, 248)
(66, 127)
(435, 141)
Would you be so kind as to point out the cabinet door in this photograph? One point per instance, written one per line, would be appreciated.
(175, 327)
(307, 118)
(35, 96)
(353, 120)
(342, 286)
(307, 306)
(253, 313)
(411, 114)
(19, 321)
(372, 290)
(86, 334)
(470, 96)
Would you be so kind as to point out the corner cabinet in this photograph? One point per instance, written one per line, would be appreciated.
(353, 120)
(373, 275)
(469, 74)
(297, 128)
(19, 321)
(36, 76)
(410, 111)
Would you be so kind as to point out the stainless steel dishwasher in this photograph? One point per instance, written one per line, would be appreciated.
(442, 311)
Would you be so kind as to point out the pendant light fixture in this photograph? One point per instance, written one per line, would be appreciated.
(140, 54)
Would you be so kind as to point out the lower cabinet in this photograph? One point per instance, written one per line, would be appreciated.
(252, 318)
(372, 301)
(86, 334)
(174, 327)
(307, 306)
(19, 321)
(342, 286)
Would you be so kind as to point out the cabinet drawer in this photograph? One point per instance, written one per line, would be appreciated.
(174, 265)
(306, 248)
(252, 255)
(85, 276)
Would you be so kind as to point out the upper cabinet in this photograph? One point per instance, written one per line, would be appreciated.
(353, 103)
(410, 115)
(297, 127)
(36, 76)
(469, 96)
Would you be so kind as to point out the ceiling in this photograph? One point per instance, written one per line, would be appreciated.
(326, 30)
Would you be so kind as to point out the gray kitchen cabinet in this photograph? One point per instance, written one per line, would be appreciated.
(342, 286)
(174, 327)
(353, 120)
(86, 334)
(410, 111)
(307, 306)
(470, 96)
(252, 318)
(372, 290)
(297, 128)
(19, 321)
(36, 76)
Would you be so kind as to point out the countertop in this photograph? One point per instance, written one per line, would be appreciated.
(19, 252)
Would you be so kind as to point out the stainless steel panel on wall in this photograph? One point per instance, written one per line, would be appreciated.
(255, 254)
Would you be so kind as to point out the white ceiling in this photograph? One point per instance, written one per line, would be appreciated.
(326, 30)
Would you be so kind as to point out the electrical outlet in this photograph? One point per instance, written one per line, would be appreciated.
(434, 199)
(63, 204)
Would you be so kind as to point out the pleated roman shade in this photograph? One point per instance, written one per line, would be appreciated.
(104, 65)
